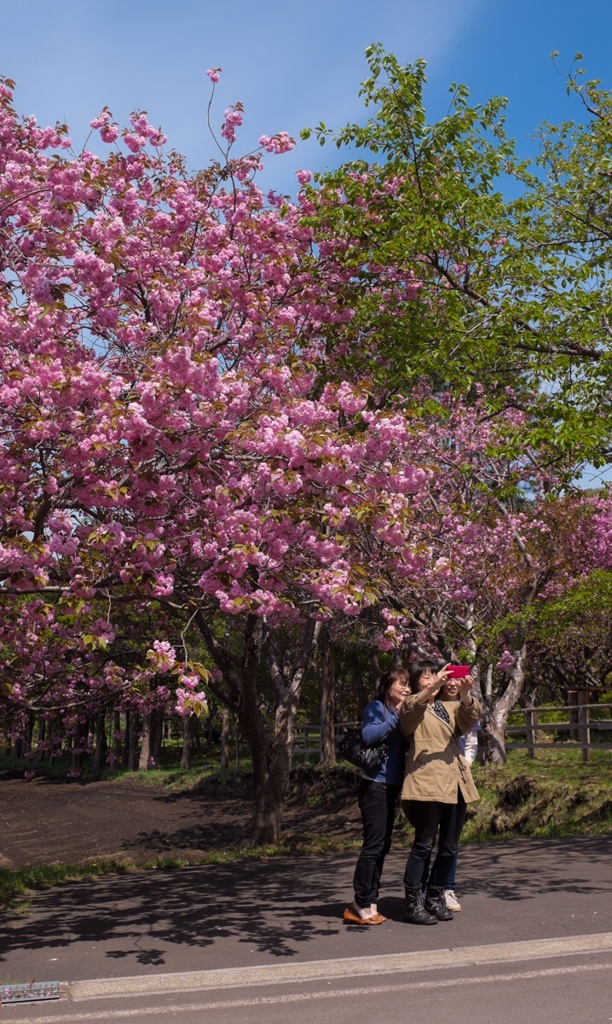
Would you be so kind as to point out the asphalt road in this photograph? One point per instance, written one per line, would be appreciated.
(265, 941)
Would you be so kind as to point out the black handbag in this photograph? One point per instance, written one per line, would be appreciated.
(352, 748)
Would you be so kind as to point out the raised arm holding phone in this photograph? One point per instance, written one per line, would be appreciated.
(438, 783)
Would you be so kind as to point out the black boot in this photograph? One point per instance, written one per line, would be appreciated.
(415, 912)
(436, 904)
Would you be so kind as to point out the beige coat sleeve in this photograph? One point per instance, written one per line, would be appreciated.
(411, 714)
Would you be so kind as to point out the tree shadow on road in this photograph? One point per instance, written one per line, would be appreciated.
(525, 869)
(278, 906)
(274, 906)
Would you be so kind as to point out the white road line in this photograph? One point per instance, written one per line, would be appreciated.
(352, 993)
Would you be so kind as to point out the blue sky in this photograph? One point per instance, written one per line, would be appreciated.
(290, 64)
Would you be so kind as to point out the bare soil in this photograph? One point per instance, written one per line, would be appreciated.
(47, 821)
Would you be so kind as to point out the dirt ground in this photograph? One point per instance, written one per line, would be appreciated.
(46, 821)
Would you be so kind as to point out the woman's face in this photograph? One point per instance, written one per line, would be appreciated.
(425, 678)
(398, 690)
(450, 689)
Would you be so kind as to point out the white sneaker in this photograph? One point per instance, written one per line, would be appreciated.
(451, 901)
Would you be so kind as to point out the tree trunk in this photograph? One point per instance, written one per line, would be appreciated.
(132, 741)
(29, 731)
(18, 749)
(187, 742)
(226, 722)
(272, 784)
(53, 729)
(271, 755)
(42, 735)
(78, 754)
(270, 794)
(272, 769)
(157, 737)
(495, 719)
(116, 737)
(23, 744)
(146, 748)
(99, 756)
(359, 688)
(328, 687)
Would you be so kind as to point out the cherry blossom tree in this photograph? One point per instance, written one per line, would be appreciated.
(232, 421)
(172, 439)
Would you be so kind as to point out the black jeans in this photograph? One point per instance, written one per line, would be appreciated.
(377, 802)
(427, 817)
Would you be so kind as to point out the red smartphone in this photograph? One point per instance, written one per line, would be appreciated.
(458, 671)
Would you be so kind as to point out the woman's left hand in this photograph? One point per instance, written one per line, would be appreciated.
(465, 689)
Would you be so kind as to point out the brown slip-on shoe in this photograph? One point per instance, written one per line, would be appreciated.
(352, 918)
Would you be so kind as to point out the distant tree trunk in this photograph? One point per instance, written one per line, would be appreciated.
(52, 726)
(126, 739)
(190, 731)
(226, 723)
(117, 737)
(132, 740)
(145, 741)
(375, 674)
(186, 748)
(533, 733)
(358, 686)
(18, 747)
(328, 701)
(29, 732)
(99, 757)
(158, 737)
(198, 746)
(42, 735)
(209, 733)
(78, 753)
(23, 744)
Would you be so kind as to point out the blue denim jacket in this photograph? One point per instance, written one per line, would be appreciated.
(381, 724)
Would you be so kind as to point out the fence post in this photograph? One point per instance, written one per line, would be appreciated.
(531, 722)
(583, 723)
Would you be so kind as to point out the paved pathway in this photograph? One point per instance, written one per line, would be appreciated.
(288, 912)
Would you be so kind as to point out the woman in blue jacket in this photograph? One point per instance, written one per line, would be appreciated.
(378, 793)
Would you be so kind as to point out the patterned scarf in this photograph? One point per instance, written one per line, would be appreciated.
(441, 711)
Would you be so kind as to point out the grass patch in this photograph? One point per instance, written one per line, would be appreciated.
(17, 886)
(551, 795)
(202, 775)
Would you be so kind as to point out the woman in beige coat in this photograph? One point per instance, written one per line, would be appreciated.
(437, 786)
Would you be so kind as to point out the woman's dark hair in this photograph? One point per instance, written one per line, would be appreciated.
(386, 682)
(416, 669)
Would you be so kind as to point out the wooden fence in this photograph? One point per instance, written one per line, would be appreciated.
(580, 726)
